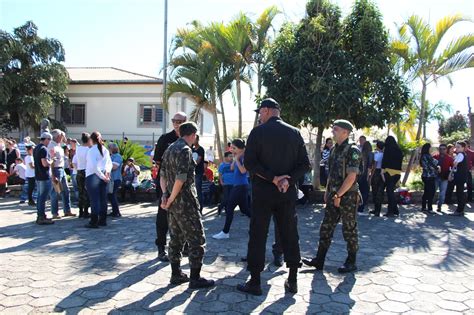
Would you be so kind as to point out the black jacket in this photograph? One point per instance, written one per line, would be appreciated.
(276, 148)
(163, 143)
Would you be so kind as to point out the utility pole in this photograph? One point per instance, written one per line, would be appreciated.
(165, 65)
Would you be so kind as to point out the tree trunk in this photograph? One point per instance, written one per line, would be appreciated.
(239, 101)
(224, 123)
(218, 135)
(317, 158)
(259, 90)
(418, 133)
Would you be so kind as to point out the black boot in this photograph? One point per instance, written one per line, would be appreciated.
(252, 286)
(103, 220)
(162, 255)
(81, 212)
(318, 261)
(177, 276)
(86, 213)
(93, 222)
(197, 282)
(349, 265)
(277, 259)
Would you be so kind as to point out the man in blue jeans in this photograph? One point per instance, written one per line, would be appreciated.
(56, 152)
(43, 180)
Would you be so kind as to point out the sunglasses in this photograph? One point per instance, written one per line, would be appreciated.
(177, 121)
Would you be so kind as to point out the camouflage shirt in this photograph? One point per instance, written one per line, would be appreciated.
(178, 163)
(343, 159)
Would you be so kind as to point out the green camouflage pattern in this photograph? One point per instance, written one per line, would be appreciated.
(184, 219)
(343, 159)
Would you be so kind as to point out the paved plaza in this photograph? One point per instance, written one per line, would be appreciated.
(415, 264)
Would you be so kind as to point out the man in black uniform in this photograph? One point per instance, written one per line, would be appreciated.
(276, 158)
(162, 216)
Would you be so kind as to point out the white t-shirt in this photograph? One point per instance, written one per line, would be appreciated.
(30, 172)
(378, 157)
(210, 155)
(20, 169)
(80, 158)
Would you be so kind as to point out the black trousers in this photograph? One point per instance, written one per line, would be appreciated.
(31, 188)
(469, 186)
(161, 222)
(428, 193)
(460, 196)
(391, 182)
(268, 201)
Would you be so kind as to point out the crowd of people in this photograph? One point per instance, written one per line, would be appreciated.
(250, 176)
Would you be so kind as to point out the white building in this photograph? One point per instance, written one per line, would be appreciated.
(120, 103)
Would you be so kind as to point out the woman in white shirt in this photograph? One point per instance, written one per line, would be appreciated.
(30, 174)
(98, 170)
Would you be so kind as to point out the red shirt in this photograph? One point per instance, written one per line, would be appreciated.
(209, 174)
(470, 158)
(3, 177)
(446, 164)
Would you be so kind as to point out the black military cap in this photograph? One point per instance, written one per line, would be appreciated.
(268, 103)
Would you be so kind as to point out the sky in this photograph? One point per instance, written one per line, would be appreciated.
(128, 34)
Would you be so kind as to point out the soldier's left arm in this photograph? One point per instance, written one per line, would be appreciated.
(302, 164)
(352, 170)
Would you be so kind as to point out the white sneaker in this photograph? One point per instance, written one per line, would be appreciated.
(363, 213)
(221, 236)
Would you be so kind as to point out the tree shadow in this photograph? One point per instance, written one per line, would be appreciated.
(107, 289)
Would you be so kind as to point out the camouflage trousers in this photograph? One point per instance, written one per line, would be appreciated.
(378, 188)
(347, 213)
(81, 188)
(185, 226)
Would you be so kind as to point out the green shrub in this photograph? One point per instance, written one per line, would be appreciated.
(134, 150)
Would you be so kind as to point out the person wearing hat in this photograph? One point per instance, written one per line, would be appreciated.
(276, 158)
(42, 163)
(341, 197)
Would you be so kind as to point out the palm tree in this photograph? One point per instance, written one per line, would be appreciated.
(422, 57)
(233, 45)
(261, 28)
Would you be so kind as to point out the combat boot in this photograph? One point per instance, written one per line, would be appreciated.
(196, 282)
(349, 265)
(318, 261)
(177, 276)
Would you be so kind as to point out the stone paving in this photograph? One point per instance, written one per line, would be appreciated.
(415, 264)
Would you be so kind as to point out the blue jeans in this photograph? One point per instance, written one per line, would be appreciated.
(24, 191)
(198, 180)
(96, 189)
(75, 191)
(61, 176)
(44, 188)
(238, 197)
(364, 191)
(442, 185)
(113, 197)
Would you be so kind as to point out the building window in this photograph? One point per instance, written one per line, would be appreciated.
(75, 114)
(150, 115)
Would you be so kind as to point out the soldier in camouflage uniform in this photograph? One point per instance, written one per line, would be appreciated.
(180, 200)
(341, 198)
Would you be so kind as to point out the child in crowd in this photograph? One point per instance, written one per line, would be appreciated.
(20, 171)
(226, 176)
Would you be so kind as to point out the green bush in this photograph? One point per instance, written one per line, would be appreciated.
(456, 136)
(416, 183)
(134, 150)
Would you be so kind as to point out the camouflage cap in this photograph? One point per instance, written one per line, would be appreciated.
(344, 124)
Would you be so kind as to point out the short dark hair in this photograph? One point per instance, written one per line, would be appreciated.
(380, 144)
(239, 143)
(228, 153)
(85, 137)
(443, 145)
(206, 162)
(461, 143)
(188, 128)
(365, 138)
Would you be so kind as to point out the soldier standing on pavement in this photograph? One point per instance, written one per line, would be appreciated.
(180, 200)
(341, 198)
(162, 217)
(276, 158)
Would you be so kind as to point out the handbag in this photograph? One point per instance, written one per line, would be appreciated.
(110, 187)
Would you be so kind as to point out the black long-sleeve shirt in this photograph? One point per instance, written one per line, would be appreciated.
(163, 143)
(276, 148)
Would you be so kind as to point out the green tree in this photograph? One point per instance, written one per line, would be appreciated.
(32, 78)
(424, 59)
(455, 123)
(319, 74)
(134, 150)
(261, 29)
